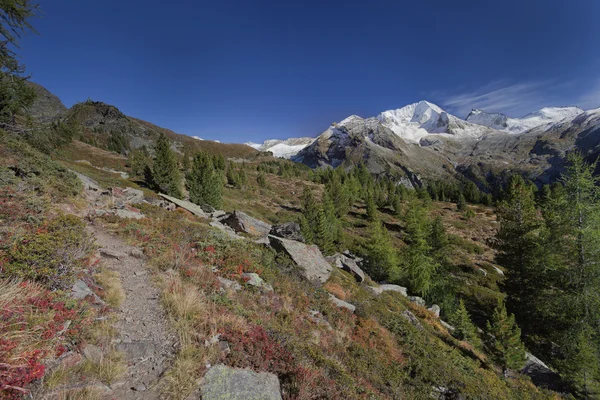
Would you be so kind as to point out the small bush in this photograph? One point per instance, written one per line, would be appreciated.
(50, 254)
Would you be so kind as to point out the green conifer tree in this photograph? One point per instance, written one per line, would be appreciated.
(464, 329)
(518, 242)
(418, 262)
(381, 256)
(504, 339)
(371, 207)
(164, 169)
(204, 181)
(461, 204)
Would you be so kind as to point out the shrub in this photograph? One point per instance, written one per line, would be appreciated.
(34, 324)
(51, 254)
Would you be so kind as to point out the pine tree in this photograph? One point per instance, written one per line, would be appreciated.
(164, 170)
(519, 245)
(464, 329)
(15, 94)
(371, 207)
(139, 160)
(461, 204)
(306, 229)
(418, 263)
(438, 238)
(504, 339)
(572, 245)
(204, 181)
(381, 256)
(323, 236)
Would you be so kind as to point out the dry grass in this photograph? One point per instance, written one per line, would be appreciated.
(113, 289)
(80, 394)
(57, 378)
(182, 378)
(103, 367)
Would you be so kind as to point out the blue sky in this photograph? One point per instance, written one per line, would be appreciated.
(250, 70)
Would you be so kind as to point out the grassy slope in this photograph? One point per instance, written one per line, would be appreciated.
(375, 353)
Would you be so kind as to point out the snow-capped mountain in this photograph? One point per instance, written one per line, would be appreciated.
(544, 118)
(417, 120)
(283, 148)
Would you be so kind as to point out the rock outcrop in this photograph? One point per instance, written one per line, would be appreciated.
(289, 230)
(341, 303)
(313, 265)
(348, 264)
(243, 223)
(222, 382)
(186, 205)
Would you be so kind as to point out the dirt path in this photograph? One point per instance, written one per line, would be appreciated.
(144, 335)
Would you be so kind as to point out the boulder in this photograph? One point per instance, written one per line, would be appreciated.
(342, 303)
(242, 222)
(186, 205)
(377, 290)
(218, 214)
(81, 290)
(435, 309)
(88, 183)
(312, 264)
(229, 284)
(541, 375)
(129, 214)
(417, 300)
(447, 326)
(347, 264)
(289, 230)
(222, 382)
(253, 279)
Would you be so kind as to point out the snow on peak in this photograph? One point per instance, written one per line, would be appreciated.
(283, 148)
(545, 118)
(417, 120)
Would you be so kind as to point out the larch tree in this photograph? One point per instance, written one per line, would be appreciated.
(504, 339)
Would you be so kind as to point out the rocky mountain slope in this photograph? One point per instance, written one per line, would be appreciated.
(46, 106)
(100, 123)
(423, 141)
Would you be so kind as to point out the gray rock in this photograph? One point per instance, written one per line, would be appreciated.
(447, 325)
(313, 265)
(377, 290)
(186, 205)
(289, 230)
(242, 222)
(255, 280)
(130, 214)
(225, 383)
(417, 300)
(263, 240)
(225, 229)
(410, 317)
(218, 214)
(111, 253)
(347, 264)
(498, 270)
(342, 303)
(133, 196)
(81, 290)
(88, 183)
(541, 374)
(435, 309)
(229, 284)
